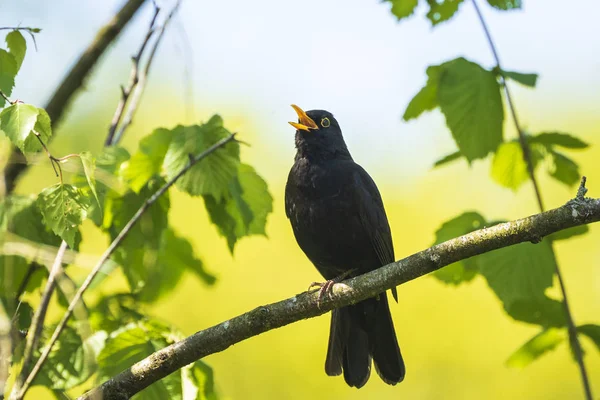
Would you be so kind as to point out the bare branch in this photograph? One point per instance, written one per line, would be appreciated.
(140, 84)
(133, 79)
(109, 251)
(573, 337)
(37, 323)
(265, 318)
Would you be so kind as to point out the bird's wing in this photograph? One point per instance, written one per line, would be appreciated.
(373, 218)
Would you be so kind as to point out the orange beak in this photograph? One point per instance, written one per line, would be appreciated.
(305, 122)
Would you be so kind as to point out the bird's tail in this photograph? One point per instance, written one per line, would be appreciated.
(359, 333)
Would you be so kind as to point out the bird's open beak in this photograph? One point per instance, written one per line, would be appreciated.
(305, 122)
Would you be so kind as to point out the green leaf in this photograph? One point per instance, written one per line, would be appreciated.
(64, 209)
(591, 331)
(175, 256)
(132, 343)
(148, 161)
(243, 211)
(542, 311)
(89, 167)
(505, 4)
(564, 170)
(17, 46)
(108, 166)
(558, 139)
(17, 122)
(524, 79)
(520, 272)
(465, 270)
(447, 159)
(403, 8)
(442, 10)
(569, 233)
(469, 97)
(212, 175)
(20, 216)
(138, 252)
(114, 311)
(202, 377)
(426, 99)
(509, 168)
(540, 344)
(43, 128)
(70, 363)
(8, 71)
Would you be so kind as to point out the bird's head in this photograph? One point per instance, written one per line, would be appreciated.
(318, 135)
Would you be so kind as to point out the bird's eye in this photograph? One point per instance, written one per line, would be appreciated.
(325, 122)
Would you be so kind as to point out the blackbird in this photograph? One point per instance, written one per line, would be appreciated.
(339, 221)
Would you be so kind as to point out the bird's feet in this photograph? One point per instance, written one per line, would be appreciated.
(325, 287)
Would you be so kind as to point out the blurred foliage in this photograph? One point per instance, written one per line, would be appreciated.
(469, 97)
(110, 188)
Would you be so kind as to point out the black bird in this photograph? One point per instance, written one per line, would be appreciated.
(340, 223)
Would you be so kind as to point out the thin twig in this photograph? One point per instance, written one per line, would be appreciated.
(133, 79)
(6, 97)
(109, 251)
(141, 82)
(37, 323)
(305, 305)
(573, 338)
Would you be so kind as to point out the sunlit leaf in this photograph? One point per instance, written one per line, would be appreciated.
(132, 343)
(17, 122)
(148, 161)
(64, 208)
(569, 233)
(114, 311)
(43, 128)
(426, 99)
(442, 10)
(71, 362)
(202, 376)
(564, 169)
(524, 79)
(448, 159)
(175, 256)
(465, 270)
(212, 175)
(520, 272)
(243, 211)
(592, 332)
(509, 168)
(505, 4)
(89, 169)
(403, 8)
(8, 70)
(540, 344)
(542, 311)
(19, 215)
(558, 139)
(139, 250)
(469, 97)
(16, 46)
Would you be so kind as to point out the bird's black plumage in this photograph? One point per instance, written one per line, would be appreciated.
(339, 221)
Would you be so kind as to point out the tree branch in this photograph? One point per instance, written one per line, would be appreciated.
(74, 80)
(137, 82)
(219, 337)
(37, 324)
(572, 329)
(108, 252)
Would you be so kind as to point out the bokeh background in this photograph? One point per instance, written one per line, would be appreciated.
(248, 60)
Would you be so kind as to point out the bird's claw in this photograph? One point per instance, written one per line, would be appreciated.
(325, 287)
